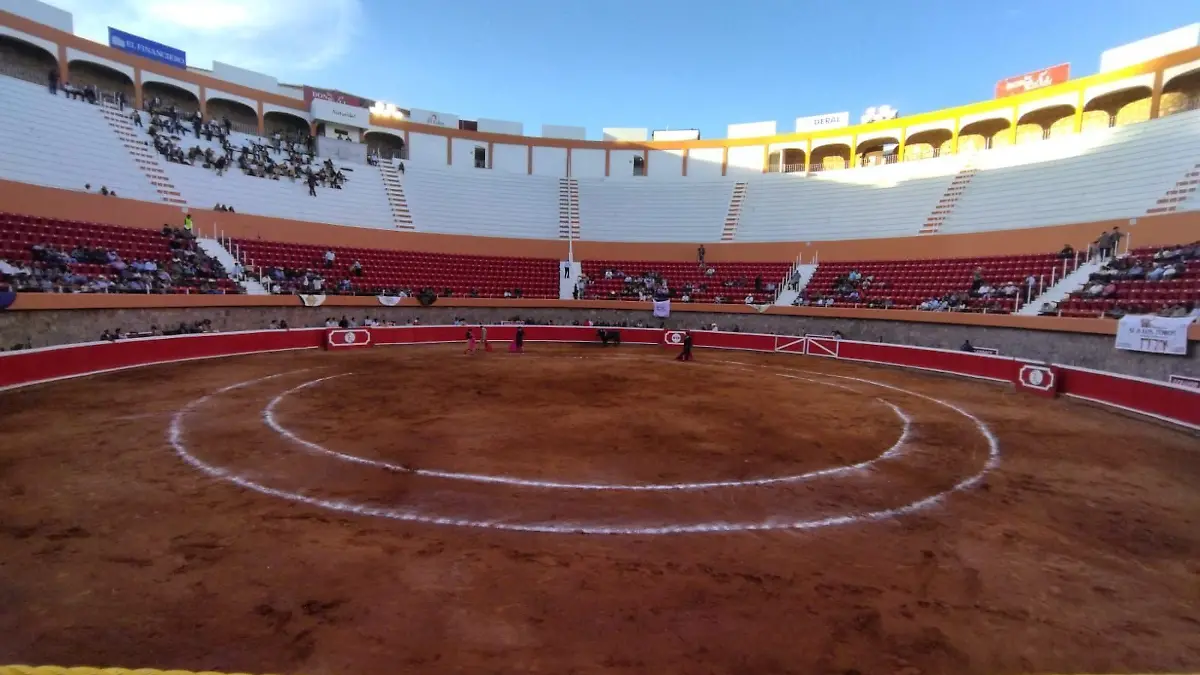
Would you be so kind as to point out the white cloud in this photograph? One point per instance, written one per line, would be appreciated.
(284, 38)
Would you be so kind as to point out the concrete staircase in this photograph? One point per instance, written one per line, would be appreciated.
(734, 215)
(215, 249)
(566, 284)
(394, 187)
(568, 208)
(143, 155)
(786, 297)
(1182, 191)
(1057, 292)
(949, 198)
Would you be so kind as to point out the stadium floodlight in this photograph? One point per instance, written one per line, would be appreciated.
(388, 110)
(879, 113)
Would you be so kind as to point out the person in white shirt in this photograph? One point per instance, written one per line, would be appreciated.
(330, 256)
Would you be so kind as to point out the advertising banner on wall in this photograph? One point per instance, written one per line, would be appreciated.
(1154, 334)
(149, 49)
(344, 115)
(335, 96)
(437, 119)
(1038, 79)
(826, 121)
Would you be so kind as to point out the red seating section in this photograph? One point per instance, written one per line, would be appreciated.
(383, 268)
(1145, 296)
(19, 232)
(911, 282)
(678, 273)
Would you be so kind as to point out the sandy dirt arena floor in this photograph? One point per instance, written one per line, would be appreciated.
(589, 510)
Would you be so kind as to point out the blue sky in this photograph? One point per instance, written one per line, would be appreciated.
(653, 63)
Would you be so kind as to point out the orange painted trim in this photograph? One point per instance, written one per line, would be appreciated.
(645, 162)
(607, 162)
(685, 162)
(724, 160)
(528, 158)
(449, 151)
(491, 151)
(64, 72)
(102, 301)
(137, 88)
(203, 97)
(569, 164)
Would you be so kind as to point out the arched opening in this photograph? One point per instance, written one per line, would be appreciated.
(1037, 125)
(927, 144)
(829, 157)
(877, 151)
(794, 160)
(774, 162)
(241, 117)
(385, 145)
(26, 61)
(168, 95)
(1124, 106)
(1180, 94)
(983, 135)
(106, 80)
(287, 124)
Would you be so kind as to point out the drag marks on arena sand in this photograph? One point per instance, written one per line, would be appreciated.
(891, 485)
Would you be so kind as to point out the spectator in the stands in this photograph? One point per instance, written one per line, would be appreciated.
(1067, 252)
(967, 346)
(137, 118)
(330, 256)
(356, 268)
(54, 81)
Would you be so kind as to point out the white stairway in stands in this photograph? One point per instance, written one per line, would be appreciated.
(568, 208)
(950, 197)
(735, 211)
(482, 202)
(63, 143)
(142, 152)
(362, 202)
(216, 250)
(394, 187)
(1098, 175)
(787, 296)
(1063, 287)
(891, 200)
(637, 209)
(1181, 196)
(567, 282)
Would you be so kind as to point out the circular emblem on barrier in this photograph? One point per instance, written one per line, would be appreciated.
(1037, 377)
(349, 337)
(673, 337)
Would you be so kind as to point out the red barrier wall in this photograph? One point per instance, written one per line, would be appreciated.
(1171, 403)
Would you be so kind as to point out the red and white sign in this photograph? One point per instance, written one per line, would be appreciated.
(334, 96)
(342, 338)
(1038, 379)
(1046, 77)
(673, 338)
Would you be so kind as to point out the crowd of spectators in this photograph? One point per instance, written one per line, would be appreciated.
(280, 156)
(1164, 265)
(52, 270)
(653, 285)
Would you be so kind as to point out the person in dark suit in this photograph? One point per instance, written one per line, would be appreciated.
(686, 353)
